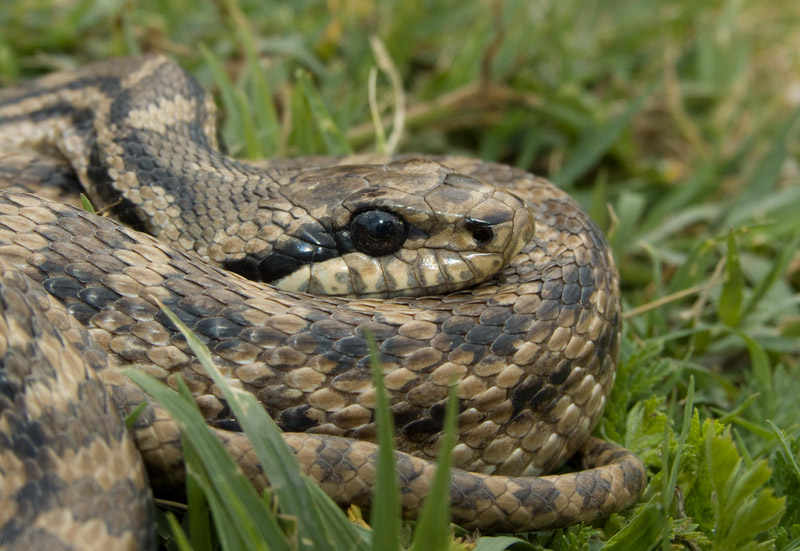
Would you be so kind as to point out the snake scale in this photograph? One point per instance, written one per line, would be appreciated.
(512, 293)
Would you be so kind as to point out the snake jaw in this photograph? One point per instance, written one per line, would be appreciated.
(457, 231)
(444, 259)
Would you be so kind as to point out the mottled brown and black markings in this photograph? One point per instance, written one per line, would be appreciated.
(305, 361)
(533, 348)
(478, 500)
(439, 253)
(140, 136)
(64, 452)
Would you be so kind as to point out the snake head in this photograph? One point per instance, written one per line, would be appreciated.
(410, 227)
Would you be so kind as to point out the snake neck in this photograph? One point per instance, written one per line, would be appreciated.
(139, 133)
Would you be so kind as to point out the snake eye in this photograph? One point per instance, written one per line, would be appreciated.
(481, 231)
(378, 232)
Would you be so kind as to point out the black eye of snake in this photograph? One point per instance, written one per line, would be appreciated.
(378, 232)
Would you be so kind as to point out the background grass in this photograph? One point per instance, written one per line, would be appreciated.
(673, 123)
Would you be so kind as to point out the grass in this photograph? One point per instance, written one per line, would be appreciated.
(672, 122)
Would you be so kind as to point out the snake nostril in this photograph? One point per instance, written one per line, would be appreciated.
(482, 235)
(481, 231)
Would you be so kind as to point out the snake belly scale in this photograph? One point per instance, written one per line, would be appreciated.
(459, 268)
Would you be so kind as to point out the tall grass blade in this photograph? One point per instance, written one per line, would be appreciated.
(385, 514)
(181, 541)
(335, 141)
(231, 492)
(197, 511)
(287, 482)
(643, 532)
(501, 543)
(240, 131)
(596, 143)
(776, 271)
(730, 301)
(267, 126)
(432, 532)
(765, 176)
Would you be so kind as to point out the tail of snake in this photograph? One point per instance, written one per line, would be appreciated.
(513, 292)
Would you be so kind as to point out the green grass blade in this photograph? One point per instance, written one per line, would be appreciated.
(341, 531)
(268, 130)
(286, 480)
(643, 532)
(759, 360)
(216, 513)
(240, 131)
(181, 541)
(668, 491)
(593, 145)
(87, 205)
(765, 176)
(776, 271)
(227, 479)
(730, 301)
(786, 447)
(432, 532)
(385, 514)
(267, 126)
(501, 543)
(335, 141)
(133, 416)
(197, 512)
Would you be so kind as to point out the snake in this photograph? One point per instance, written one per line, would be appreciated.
(460, 269)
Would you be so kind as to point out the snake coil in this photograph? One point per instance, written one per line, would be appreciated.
(513, 292)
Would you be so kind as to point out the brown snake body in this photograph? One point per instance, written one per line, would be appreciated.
(533, 340)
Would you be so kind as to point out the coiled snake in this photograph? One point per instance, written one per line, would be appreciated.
(519, 301)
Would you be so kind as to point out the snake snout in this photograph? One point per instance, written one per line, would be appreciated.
(501, 224)
(492, 233)
(409, 228)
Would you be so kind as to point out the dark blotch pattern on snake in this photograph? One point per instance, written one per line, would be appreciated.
(513, 293)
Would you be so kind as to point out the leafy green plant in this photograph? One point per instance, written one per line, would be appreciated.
(742, 508)
(673, 123)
